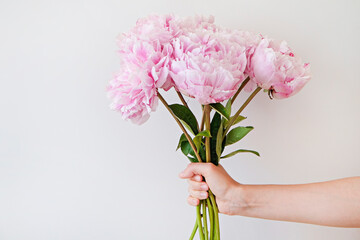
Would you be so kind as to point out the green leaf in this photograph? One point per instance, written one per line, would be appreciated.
(240, 151)
(221, 109)
(182, 139)
(202, 153)
(239, 119)
(219, 138)
(198, 138)
(186, 117)
(192, 159)
(205, 133)
(189, 153)
(197, 142)
(214, 128)
(186, 148)
(237, 134)
(228, 107)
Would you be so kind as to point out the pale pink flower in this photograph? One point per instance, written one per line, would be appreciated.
(148, 52)
(273, 66)
(157, 28)
(195, 23)
(133, 94)
(207, 66)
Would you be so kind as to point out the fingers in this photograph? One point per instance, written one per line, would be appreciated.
(195, 169)
(198, 194)
(198, 186)
(196, 178)
(193, 201)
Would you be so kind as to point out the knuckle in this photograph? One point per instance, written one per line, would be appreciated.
(211, 166)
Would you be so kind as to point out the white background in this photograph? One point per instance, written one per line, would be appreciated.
(72, 169)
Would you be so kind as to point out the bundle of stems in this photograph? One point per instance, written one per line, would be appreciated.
(208, 209)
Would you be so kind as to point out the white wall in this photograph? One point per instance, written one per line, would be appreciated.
(72, 169)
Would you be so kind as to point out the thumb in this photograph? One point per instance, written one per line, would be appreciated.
(195, 169)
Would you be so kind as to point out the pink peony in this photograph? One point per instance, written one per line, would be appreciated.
(155, 28)
(133, 93)
(192, 24)
(152, 58)
(207, 66)
(273, 66)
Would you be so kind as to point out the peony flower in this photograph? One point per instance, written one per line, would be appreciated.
(133, 93)
(155, 28)
(207, 66)
(273, 66)
(148, 46)
(193, 24)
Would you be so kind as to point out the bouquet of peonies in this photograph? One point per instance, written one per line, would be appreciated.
(211, 64)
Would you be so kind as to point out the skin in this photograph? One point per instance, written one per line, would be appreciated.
(333, 203)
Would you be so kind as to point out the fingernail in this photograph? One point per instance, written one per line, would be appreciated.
(194, 201)
(204, 187)
(203, 194)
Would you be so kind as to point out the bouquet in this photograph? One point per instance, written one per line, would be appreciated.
(211, 65)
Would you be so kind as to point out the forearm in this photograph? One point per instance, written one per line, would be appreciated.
(332, 203)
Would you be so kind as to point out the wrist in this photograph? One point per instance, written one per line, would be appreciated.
(239, 202)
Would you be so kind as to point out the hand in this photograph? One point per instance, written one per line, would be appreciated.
(217, 180)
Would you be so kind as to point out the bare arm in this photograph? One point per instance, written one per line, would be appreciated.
(332, 203)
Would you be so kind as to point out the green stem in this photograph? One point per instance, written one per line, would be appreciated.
(216, 216)
(185, 104)
(202, 119)
(182, 99)
(233, 118)
(240, 88)
(207, 110)
(193, 231)
(205, 220)
(198, 220)
(181, 126)
(211, 216)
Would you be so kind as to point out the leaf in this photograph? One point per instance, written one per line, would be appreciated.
(214, 128)
(221, 109)
(182, 139)
(202, 154)
(240, 151)
(198, 138)
(186, 117)
(239, 119)
(237, 134)
(189, 152)
(228, 107)
(192, 159)
(219, 138)
(186, 148)
(205, 133)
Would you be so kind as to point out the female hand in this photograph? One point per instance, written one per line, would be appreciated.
(217, 180)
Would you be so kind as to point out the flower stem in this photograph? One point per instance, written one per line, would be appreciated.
(211, 216)
(181, 126)
(206, 233)
(198, 220)
(194, 231)
(182, 99)
(202, 119)
(240, 88)
(216, 215)
(207, 126)
(233, 118)
(186, 105)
